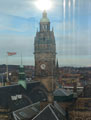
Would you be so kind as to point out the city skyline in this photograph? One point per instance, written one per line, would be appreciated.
(72, 29)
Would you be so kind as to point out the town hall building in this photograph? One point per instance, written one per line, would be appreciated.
(45, 54)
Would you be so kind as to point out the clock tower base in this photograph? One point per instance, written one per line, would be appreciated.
(48, 82)
(45, 55)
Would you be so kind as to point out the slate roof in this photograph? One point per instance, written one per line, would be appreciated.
(27, 112)
(29, 95)
(5, 97)
(61, 92)
(50, 112)
(59, 108)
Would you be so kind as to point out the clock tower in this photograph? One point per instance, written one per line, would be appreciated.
(45, 50)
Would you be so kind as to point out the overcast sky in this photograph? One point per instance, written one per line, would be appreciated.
(71, 19)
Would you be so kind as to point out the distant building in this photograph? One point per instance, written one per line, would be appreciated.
(81, 108)
(69, 79)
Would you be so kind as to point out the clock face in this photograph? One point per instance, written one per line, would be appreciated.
(43, 66)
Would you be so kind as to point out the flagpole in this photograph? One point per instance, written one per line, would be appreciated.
(8, 54)
(7, 68)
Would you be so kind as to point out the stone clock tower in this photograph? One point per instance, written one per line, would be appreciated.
(45, 52)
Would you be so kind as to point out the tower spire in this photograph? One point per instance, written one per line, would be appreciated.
(44, 14)
(57, 65)
(22, 76)
(44, 22)
(44, 18)
(57, 69)
(21, 60)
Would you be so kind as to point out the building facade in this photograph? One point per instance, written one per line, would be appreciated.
(81, 109)
(45, 52)
(44, 49)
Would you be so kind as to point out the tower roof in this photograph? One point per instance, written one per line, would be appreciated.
(44, 18)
